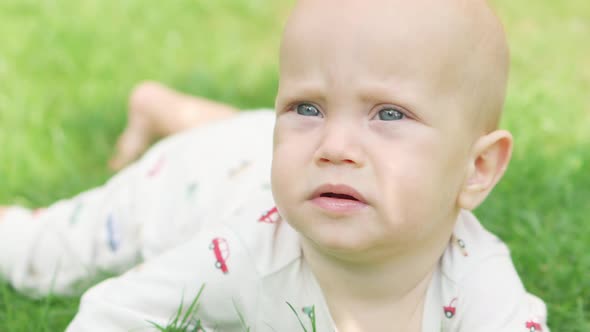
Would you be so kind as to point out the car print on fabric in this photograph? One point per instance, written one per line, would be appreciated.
(533, 326)
(270, 217)
(450, 310)
(221, 251)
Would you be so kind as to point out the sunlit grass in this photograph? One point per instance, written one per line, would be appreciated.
(66, 68)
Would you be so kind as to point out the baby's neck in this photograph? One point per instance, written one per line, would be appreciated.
(389, 296)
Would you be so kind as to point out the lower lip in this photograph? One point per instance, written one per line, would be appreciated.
(338, 205)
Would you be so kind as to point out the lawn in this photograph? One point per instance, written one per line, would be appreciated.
(67, 66)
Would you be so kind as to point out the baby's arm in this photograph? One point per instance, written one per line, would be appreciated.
(153, 292)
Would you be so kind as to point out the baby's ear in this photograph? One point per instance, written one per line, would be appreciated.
(489, 160)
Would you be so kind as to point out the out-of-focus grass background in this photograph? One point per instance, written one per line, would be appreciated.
(66, 68)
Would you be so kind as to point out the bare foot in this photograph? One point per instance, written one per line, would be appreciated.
(3, 211)
(138, 134)
(156, 111)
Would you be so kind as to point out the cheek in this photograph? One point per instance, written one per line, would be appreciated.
(287, 174)
(288, 163)
(279, 172)
(294, 142)
(419, 181)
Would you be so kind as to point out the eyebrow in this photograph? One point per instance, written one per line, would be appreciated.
(302, 92)
(384, 94)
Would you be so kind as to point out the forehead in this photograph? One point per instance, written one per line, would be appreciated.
(386, 39)
(452, 48)
(381, 28)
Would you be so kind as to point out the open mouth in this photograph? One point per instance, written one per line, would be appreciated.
(339, 192)
(339, 196)
(338, 199)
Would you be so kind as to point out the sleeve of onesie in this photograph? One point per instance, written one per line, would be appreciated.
(214, 260)
(495, 300)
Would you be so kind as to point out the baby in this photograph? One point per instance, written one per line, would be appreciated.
(385, 136)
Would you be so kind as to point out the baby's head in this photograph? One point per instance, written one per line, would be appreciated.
(387, 115)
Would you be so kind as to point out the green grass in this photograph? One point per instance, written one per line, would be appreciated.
(67, 66)
(184, 320)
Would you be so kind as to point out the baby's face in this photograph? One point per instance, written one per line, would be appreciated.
(372, 139)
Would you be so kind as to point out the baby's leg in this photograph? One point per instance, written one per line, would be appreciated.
(156, 111)
(54, 248)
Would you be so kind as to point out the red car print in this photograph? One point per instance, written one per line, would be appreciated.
(156, 168)
(221, 252)
(450, 309)
(533, 326)
(270, 217)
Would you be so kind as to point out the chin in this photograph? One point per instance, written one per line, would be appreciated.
(338, 241)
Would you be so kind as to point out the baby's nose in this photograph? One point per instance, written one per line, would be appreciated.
(340, 145)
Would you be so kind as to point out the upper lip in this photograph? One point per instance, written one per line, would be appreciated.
(338, 189)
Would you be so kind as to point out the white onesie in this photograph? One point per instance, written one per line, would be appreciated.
(197, 210)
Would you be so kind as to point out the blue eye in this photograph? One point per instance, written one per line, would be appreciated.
(390, 114)
(307, 110)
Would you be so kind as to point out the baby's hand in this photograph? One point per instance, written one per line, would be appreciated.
(2, 211)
